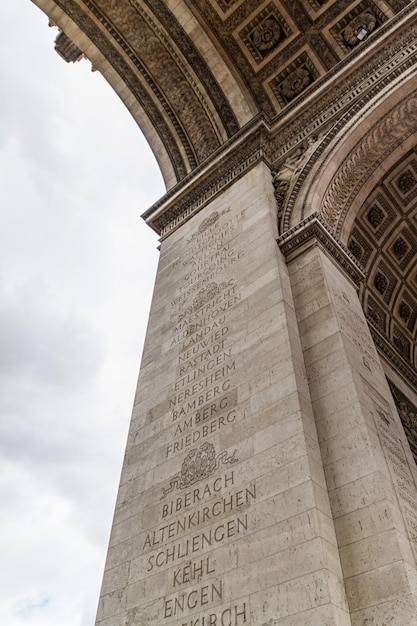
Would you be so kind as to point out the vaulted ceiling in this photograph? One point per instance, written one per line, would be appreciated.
(199, 74)
(384, 240)
(194, 72)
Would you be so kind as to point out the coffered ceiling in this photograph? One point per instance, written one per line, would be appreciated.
(194, 72)
(384, 241)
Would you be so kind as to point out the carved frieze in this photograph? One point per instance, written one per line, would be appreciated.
(382, 139)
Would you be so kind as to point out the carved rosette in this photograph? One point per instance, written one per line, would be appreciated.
(295, 83)
(359, 28)
(266, 35)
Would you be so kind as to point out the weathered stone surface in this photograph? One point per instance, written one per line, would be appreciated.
(268, 477)
(229, 497)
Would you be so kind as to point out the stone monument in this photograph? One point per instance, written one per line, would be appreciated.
(270, 471)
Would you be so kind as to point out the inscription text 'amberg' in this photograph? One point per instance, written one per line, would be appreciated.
(268, 479)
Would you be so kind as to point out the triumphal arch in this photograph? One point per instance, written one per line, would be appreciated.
(270, 472)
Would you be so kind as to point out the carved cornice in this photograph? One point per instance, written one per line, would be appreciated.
(314, 231)
(230, 163)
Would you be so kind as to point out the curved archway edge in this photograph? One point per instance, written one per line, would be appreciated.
(263, 428)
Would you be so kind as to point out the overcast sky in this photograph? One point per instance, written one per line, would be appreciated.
(77, 267)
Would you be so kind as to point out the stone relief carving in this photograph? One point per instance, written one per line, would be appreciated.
(266, 35)
(267, 31)
(296, 82)
(209, 221)
(200, 463)
(368, 153)
(375, 216)
(406, 182)
(409, 418)
(207, 293)
(380, 282)
(359, 28)
(404, 311)
(287, 174)
(400, 248)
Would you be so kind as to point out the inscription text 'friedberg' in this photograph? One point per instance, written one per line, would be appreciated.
(196, 519)
(203, 397)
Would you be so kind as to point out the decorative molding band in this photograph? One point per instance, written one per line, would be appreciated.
(185, 200)
(389, 351)
(314, 230)
(345, 105)
(374, 147)
(336, 93)
(189, 50)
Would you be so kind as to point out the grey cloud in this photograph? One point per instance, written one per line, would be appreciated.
(40, 343)
(26, 606)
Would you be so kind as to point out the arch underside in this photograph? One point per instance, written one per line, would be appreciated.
(361, 178)
(330, 86)
(194, 73)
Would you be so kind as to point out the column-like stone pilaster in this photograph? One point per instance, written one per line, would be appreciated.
(370, 472)
(223, 515)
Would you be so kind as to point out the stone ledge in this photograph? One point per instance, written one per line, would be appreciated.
(314, 231)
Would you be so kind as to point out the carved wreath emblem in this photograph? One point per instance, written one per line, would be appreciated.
(209, 221)
(208, 293)
(200, 463)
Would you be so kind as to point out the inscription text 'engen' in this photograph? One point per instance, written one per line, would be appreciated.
(207, 594)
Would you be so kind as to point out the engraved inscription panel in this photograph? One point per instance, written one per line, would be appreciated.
(202, 503)
(216, 464)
